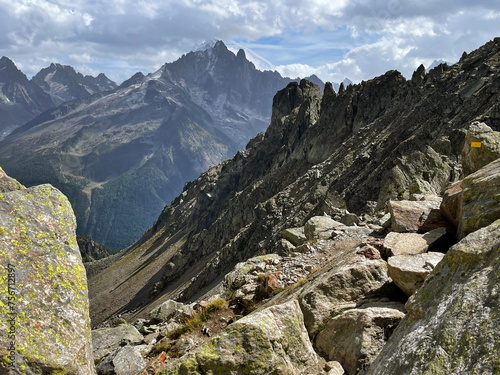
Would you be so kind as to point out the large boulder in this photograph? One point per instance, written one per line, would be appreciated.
(355, 275)
(453, 320)
(47, 314)
(480, 198)
(107, 340)
(355, 337)
(413, 243)
(271, 341)
(409, 271)
(415, 216)
(475, 158)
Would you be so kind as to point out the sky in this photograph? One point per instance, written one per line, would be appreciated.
(334, 39)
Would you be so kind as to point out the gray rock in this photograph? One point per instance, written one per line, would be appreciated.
(350, 219)
(170, 310)
(107, 340)
(125, 361)
(413, 243)
(295, 236)
(321, 227)
(480, 198)
(409, 271)
(404, 244)
(415, 216)
(475, 158)
(355, 337)
(271, 341)
(451, 206)
(46, 279)
(453, 321)
(355, 275)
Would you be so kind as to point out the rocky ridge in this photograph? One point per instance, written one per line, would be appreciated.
(341, 290)
(332, 154)
(63, 83)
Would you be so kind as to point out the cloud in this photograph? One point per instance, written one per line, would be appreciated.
(333, 39)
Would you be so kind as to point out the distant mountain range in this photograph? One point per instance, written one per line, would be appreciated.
(63, 84)
(22, 100)
(121, 153)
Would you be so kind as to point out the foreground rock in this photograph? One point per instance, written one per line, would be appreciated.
(409, 271)
(357, 274)
(452, 325)
(272, 341)
(355, 337)
(48, 282)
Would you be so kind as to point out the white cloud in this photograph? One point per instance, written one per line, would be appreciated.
(333, 39)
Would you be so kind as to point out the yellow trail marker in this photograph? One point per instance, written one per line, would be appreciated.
(475, 144)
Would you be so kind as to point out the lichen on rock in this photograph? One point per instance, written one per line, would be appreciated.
(272, 341)
(37, 240)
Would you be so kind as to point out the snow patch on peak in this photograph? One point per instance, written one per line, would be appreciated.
(207, 45)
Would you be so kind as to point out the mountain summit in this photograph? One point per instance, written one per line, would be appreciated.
(63, 83)
(20, 99)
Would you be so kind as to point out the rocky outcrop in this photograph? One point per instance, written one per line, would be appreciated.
(482, 146)
(453, 319)
(92, 250)
(272, 341)
(46, 314)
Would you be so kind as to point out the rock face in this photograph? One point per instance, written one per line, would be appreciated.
(474, 158)
(47, 283)
(453, 319)
(480, 198)
(63, 83)
(272, 341)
